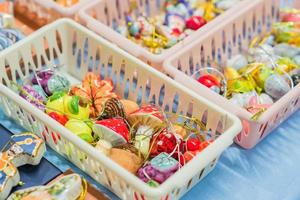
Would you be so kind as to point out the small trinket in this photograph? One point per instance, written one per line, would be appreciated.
(126, 159)
(81, 129)
(112, 108)
(165, 141)
(159, 168)
(146, 115)
(112, 130)
(142, 139)
(195, 22)
(68, 187)
(95, 91)
(129, 106)
(276, 86)
(25, 148)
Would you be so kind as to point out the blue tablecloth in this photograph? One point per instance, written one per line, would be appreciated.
(267, 172)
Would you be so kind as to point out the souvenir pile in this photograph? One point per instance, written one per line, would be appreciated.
(177, 20)
(268, 70)
(8, 33)
(143, 139)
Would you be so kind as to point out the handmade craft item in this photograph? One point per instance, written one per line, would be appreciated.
(25, 148)
(69, 187)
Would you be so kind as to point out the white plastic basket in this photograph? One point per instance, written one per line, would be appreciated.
(100, 15)
(50, 10)
(220, 43)
(66, 39)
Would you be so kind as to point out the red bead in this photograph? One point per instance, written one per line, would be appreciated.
(209, 81)
(195, 22)
(193, 144)
(62, 119)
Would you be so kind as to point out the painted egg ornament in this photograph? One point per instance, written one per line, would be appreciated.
(242, 99)
(51, 82)
(265, 99)
(143, 138)
(32, 96)
(259, 73)
(211, 82)
(55, 103)
(80, 129)
(276, 86)
(74, 108)
(166, 141)
(195, 22)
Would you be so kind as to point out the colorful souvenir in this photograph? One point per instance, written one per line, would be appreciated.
(50, 81)
(32, 96)
(113, 130)
(126, 158)
(96, 91)
(129, 106)
(68, 187)
(159, 168)
(71, 106)
(25, 148)
(276, 86)
(146, 115)
(81, 129)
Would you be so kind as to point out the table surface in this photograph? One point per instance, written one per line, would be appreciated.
(267, 172)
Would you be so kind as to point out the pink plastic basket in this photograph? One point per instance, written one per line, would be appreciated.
(50, 10)
(220, 42)
(100, 15)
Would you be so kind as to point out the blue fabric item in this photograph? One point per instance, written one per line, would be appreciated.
(267, 172)
(31, 175)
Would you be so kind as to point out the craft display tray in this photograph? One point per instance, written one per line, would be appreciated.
(219, 44)
(73, 47)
